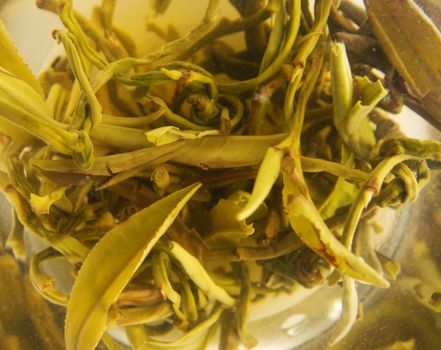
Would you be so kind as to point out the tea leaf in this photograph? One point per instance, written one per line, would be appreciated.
(169, 134)
(199, 275)
(276, 37)
(12, 61)
(97, 168)
(266, 177)
(86, 319)
(16, 91)
(138, 315)
(310, 227)
(225, 228)
(42, 204)
(196, 338)
(351, 121)
(44, 284)
(412, 43)
(343, 192)
(275, 66)
(349, 311)
(227, 151)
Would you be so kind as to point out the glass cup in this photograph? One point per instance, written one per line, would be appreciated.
(305, 318)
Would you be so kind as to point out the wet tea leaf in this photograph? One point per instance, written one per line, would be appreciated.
(110, 265)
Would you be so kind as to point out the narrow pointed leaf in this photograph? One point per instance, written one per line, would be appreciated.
(310, 227)
(343, 193)
(15, 90)
(111, 264)
(199, 275)
(227, 151)
(341, 79)
(266, 177)
(11, 60)
(351, 117)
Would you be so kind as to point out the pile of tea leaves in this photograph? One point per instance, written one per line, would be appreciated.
(185, 185)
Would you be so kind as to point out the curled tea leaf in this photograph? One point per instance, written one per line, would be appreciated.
(42, 204)
(169, 134)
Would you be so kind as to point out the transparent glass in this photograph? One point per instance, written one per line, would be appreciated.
(304, 319)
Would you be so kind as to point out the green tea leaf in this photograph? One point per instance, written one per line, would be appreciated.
(11, 60)
(17, 91)
(353, 100)
(412, 43)
(169, 134)
(225, 229)
(139, 315)
(276, 64)
(44, 284)
(277, 33)
(343, 193)
(115, 163)
(110, 265)
(266, 177)
(69, 246)
(359, 127)
(199, 275)
(195, 339)
(349, 311)
(227, 151)
(310, 227)
(42, 204)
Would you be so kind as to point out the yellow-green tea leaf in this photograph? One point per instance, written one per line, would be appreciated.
(412, 43)
(42, 204)
(225, 229)
(195, 339)
(17, 91)
(266, 177)
(11, 60)
(353, 100)
(310, 227)
(111, 264)
(170, 134)
(199, 275)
